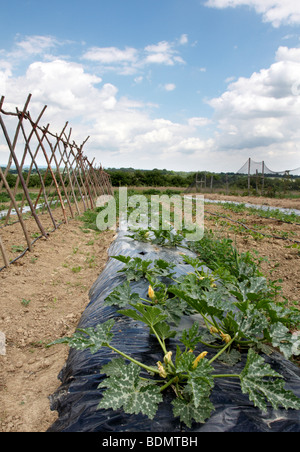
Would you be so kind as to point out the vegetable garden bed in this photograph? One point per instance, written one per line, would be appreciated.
(183, 337)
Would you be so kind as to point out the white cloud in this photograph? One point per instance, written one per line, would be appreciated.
(162, 53)
(199, 122)
(65, 87)
(183, 39)
(122, 131)
(230, 79)
(256, 116)
(108, 55)
(138, 79)
(33, 45)
(130, 60)
(123, 61)
(169, 86)
(286, 54)
(62, 83)
(278, 12)
(5, 73)
(260, 114)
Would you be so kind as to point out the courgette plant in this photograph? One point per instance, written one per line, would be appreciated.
(240, 307)
(238, 312)
(187, 371)
(138, 388)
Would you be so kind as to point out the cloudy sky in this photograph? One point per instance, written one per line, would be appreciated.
(176, 84)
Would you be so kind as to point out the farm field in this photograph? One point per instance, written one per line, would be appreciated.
(278, 247)
(44, 294)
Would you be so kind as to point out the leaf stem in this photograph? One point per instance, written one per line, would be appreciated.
(210, 345)
(223, 349)
(162, 344)
(148, 368)
(168, 384)
(147, 301)
(227, 376)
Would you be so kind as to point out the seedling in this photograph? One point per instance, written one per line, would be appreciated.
(17, 248)
(25, 302)
(76, 269)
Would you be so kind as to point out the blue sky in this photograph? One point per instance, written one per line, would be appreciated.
(177, 84)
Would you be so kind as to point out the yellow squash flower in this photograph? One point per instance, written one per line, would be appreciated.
(225, 337)
(168, 358)
(162, 370)
(213, 330)
(199, 357)
(151, 293)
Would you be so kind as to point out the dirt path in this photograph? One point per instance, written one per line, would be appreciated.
(43, 295)
(42, 298)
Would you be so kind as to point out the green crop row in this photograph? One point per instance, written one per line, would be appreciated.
(237, 311)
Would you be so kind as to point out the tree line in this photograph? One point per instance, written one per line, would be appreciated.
(205, 180)
(131, 177)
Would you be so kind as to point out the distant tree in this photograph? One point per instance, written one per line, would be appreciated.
(11, 180)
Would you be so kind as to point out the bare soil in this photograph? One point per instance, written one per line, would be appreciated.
(278, 247)
(42, 298)
(259, 200)
(43, 295)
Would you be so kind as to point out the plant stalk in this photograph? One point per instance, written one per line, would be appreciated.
(223, 349)
(168, 384)
(226, 376)
(159, 340)
(148, 368)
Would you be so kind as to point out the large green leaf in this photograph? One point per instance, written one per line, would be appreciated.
(187, 411)
(164, 331)
(134, 268)
(184, 361)
(130, 392)
(219, 302)
(115, 367)
(193, 261)
(202, 297)
(260, 389)
(162, 268)
(251, 324)
(151, 315)
(251, 288)
(287, 343)
(175, 309)
(191, 337)
(201, 382)
(123, 259)
(287, 316)
(122, 296)
(92, 338)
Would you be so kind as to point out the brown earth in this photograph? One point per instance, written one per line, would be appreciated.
(279, 247)
(44, 294)
(259, 200)
(42, 298)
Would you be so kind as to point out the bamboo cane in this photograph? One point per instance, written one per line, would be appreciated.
(42, 183)
(27, 141)
(4, 255)
(11, 147)
(53, 176)
(16, 209)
